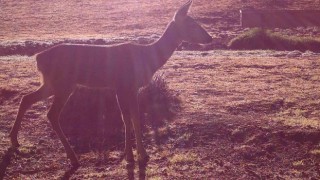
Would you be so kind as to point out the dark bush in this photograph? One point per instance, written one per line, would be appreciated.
(158, 103)
(258, 38)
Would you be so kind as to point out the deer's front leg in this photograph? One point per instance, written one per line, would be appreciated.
(136, 122)
(124, 107)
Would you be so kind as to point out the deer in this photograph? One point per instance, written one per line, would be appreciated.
(123, 68)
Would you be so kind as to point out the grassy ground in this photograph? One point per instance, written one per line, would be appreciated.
(245, 114)
(243, 118)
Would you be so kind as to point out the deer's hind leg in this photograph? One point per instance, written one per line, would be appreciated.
(27, 101)
(59, 101)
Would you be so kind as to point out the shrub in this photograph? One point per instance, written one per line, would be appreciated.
(258, 38)
(158, 102)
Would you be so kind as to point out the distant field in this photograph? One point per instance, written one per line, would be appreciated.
(78, 19)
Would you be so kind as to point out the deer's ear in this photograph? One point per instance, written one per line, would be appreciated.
(183, 11)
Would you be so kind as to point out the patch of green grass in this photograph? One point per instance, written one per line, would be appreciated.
(153, 173)
(298, 163)
(296, 117)
(184, 158)
(258, 38)
(315, 152)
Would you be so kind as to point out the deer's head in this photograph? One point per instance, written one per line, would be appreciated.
(188, 29)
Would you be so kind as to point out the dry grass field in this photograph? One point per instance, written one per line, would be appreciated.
(244, 115)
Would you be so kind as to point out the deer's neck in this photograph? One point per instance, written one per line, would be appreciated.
(164, 47)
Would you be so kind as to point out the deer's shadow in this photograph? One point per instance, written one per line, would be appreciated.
(10, 153)
(6, 159)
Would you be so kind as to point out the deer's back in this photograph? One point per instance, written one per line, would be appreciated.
(94, 66)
